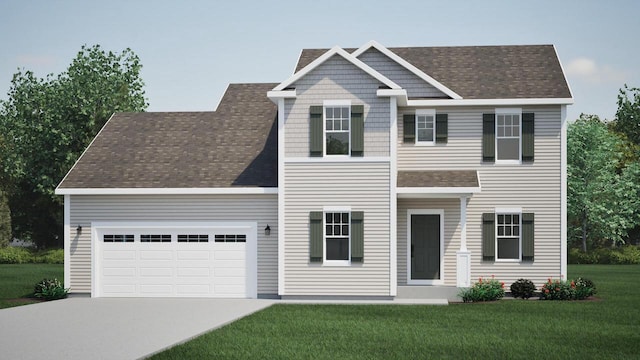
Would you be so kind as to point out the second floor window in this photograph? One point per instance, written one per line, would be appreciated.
(508, 137)
(337, 134)
(425, 126)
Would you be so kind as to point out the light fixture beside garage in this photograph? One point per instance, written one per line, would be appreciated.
(267, 230)
(78, 230)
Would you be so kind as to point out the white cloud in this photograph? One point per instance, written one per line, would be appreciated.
(587, 69)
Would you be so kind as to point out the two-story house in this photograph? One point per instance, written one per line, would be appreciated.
(372, 172)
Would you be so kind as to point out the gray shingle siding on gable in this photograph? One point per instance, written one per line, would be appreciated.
(415, 86)
(484, 72)
(235, 146)
(337, 79)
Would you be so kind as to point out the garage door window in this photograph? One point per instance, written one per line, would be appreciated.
(117, 238)
(231, 238)
(155, 238)
(193, 238)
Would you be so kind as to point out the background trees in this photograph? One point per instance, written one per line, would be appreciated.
(46, 123)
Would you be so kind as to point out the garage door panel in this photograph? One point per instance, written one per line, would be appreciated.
(174, 268)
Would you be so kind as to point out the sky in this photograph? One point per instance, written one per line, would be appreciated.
(191, 50)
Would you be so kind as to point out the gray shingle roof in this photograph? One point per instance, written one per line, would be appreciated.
(441, 178)
(235, 146)
(484, 72)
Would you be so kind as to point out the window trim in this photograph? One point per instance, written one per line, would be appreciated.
(508, 111)
(425, 112)
(325, 261)
(333, 104)
(508, 211)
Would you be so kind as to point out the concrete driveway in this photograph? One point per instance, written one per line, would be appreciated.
(109, 328)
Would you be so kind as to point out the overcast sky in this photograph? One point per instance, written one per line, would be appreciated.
(191, 50)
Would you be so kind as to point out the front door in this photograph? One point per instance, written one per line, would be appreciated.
(425, 247)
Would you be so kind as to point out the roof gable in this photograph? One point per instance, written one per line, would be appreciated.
(335, 51)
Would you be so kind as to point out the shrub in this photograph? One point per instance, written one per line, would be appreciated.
(483, 290)
(51, 256)
(50, 289)
(523, 289)
(15, 255)
(584, 288)
(629, 254)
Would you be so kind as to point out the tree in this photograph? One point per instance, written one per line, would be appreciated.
(628, 115)
(48, 122)
(5, 221)
(602, 201)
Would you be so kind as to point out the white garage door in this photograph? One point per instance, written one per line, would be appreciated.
(175, 260)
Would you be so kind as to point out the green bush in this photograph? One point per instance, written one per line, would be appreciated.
(20, 255)
(483, 290)
(522, 288)
(629, 254)
(578, 289)
(50, 289)
(15, 255)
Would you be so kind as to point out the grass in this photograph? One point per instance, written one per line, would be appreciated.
(17, 281)
(514, 329)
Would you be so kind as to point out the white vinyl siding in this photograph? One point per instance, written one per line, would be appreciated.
(533, 187)
(315, 187)
(103, 208)
(337, 79)
(415, 86)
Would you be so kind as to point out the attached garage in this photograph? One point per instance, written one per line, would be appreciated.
(174, 259)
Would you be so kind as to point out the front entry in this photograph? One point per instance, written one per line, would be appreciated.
(425, 249)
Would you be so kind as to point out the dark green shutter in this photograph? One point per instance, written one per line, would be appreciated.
(357, 130)
(442, 128)
(409, 123)
(315, 131)
(315, 236)
(357, 236)
(527, 236)
(528, 126)
(488, 237)
(488, 137)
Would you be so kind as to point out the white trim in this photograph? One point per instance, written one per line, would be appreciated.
(490, 102)
(335, 209)
(425, 212)
(327, 55)
(338, 159)
(281, 198)
(463, 256)
(563, 191)
(390, 54)
(508, 111)
(563, 74)
(425, 112)
(281, 94)
(81, 156)
(336, 103)
(67, 241)
(463, 223)
(508, 211)
(511, 210)
(250, 227)
(167, 191)
(393, 198)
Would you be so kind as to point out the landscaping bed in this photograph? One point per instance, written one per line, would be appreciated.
(17, 282)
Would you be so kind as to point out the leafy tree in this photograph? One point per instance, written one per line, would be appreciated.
(628, 115)
(48, 122)
(602, 201)
(5, 221)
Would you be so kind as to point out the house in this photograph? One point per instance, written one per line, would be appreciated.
(372, 172)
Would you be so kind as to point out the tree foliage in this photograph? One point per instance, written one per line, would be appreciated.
(602, 200)
(5, 220)
(628, 115)
(46, 124)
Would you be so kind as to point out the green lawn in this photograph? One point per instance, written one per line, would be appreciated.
(605, 329)
(17, 281)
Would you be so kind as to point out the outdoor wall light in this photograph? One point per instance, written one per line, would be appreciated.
(78, 230)
(267, 230)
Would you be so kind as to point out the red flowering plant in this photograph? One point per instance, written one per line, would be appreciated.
(578, 289)
(483, 290)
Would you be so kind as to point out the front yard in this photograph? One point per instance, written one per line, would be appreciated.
(18, 280)
(606, 328)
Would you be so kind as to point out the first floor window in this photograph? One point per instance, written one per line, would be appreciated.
(508, 136)
(337, 235)
(508, 236)
(337, 130)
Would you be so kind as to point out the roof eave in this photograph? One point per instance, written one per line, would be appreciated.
(168, 191)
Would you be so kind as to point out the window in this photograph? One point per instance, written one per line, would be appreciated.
(337, 236)
(193, 238)
(117, 238)
(155, 238)
(508, 236)
(508, 136)
(425, 126)
(337, 130)
(231, 238)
